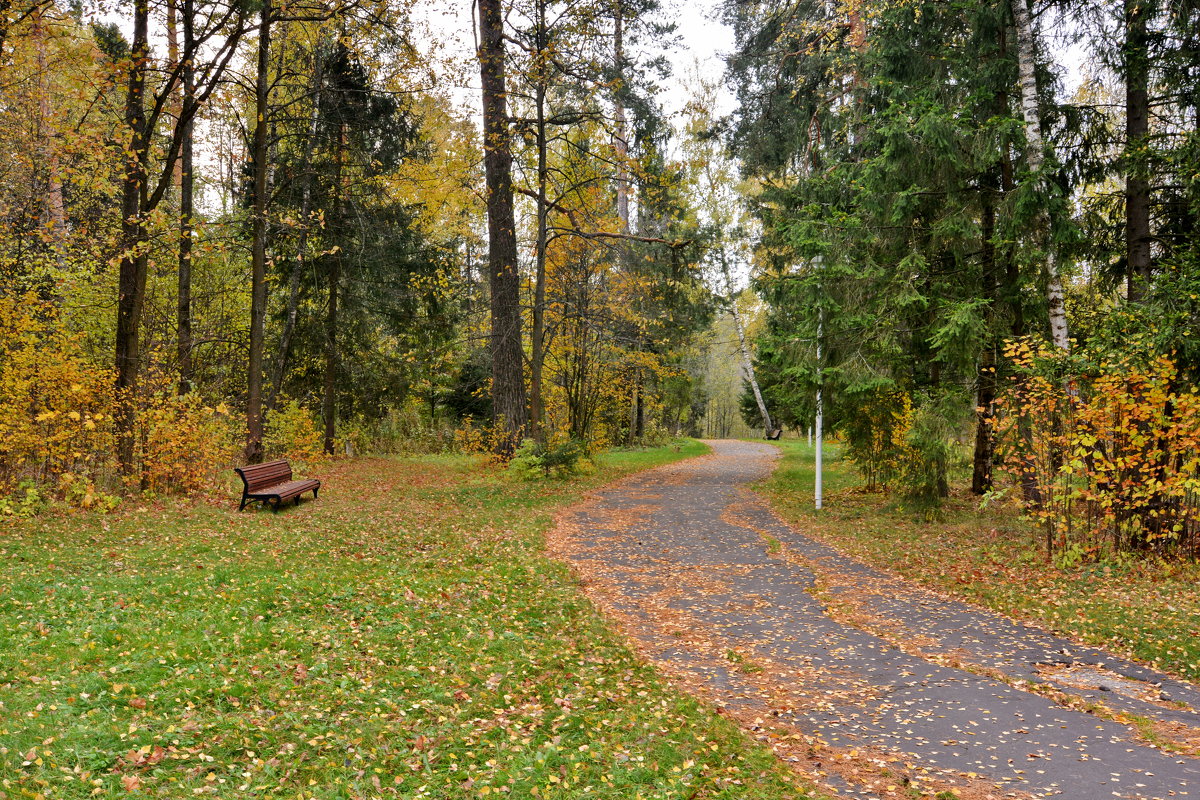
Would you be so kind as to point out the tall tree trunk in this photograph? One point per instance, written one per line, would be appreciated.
(508, 380)
(1030, 109)
(177, 99)
(306, 193)
(258, 251)
(744, 348)
(187, 183)
(621, 134)
(538, 331)
(329, 389)
(637, 410)
(981, 474)
(1137, 127)
(748, 371)
(132, 272)
(56, 211)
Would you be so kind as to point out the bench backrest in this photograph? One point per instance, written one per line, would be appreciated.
(258, 476)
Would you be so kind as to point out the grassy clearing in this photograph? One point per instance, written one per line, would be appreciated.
(403, 636)
(1148, 610)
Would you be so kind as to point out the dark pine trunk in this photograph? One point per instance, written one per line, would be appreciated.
(258, 252)
(132, 278)
(186, 191)
(981, 474)
(1137, 126)
(329, 390)
(508, 381)
(537, 342)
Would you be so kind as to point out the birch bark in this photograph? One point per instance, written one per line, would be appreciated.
(1031, 111)
(747, 362)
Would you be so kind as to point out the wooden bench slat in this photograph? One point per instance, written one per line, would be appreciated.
(287, 490)
(272, 482)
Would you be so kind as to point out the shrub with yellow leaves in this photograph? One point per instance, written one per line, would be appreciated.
(185, 443)
(55, 406)
(291, 432)
(877, 436)
(1108, 457)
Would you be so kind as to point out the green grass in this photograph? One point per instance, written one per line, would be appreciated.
(403, 636)
(1148, 610)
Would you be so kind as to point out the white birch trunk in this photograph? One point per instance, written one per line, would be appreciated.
(747, 363)
(56, 211)
(621, 134)
(1059, 334)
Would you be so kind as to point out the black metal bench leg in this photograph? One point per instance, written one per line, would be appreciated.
(242, 505)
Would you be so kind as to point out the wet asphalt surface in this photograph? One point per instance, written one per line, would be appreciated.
(680, 555)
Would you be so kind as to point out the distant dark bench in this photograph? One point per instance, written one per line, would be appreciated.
(272, 483)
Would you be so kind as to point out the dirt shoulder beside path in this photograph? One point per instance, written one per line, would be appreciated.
(874, 687)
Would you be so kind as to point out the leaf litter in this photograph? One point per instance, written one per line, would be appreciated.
(698, 592)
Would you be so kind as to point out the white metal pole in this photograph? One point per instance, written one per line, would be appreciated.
(817, 489)
(820, 410)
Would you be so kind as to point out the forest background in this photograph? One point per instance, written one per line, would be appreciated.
(236, 230)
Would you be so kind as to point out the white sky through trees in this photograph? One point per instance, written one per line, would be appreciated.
(445, 31)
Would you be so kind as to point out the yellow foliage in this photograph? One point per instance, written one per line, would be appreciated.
(1108, 460)
(54, 404)
(474, 439)
(185, 444)
(291, 432)
(877, 436)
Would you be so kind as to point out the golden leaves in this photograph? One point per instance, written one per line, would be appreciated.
(1114, 454)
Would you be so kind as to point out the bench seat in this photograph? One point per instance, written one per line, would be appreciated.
(272, 483)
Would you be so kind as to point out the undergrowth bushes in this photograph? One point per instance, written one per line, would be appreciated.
(55, 407)
(1105, 453)
(291, 432)
(183, 444)
(534, 459)
(906, 446)
(57, 439)
(58, 442)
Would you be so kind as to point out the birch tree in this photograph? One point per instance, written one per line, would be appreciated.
(714, 181)
(1036, 149)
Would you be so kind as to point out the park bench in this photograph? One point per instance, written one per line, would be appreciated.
(272, 483)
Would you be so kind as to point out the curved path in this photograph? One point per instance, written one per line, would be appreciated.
(772, 627)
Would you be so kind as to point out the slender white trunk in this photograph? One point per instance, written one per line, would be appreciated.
(621, 134)
(56, 212)
(747, 363)
(1037, 153)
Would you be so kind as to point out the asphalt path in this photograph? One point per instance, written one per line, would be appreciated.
(872, 686)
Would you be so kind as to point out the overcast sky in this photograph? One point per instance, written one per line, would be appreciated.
(702, 42)
(446, 30)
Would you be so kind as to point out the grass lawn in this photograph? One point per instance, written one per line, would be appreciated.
(403, 636)
(1147, 610)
